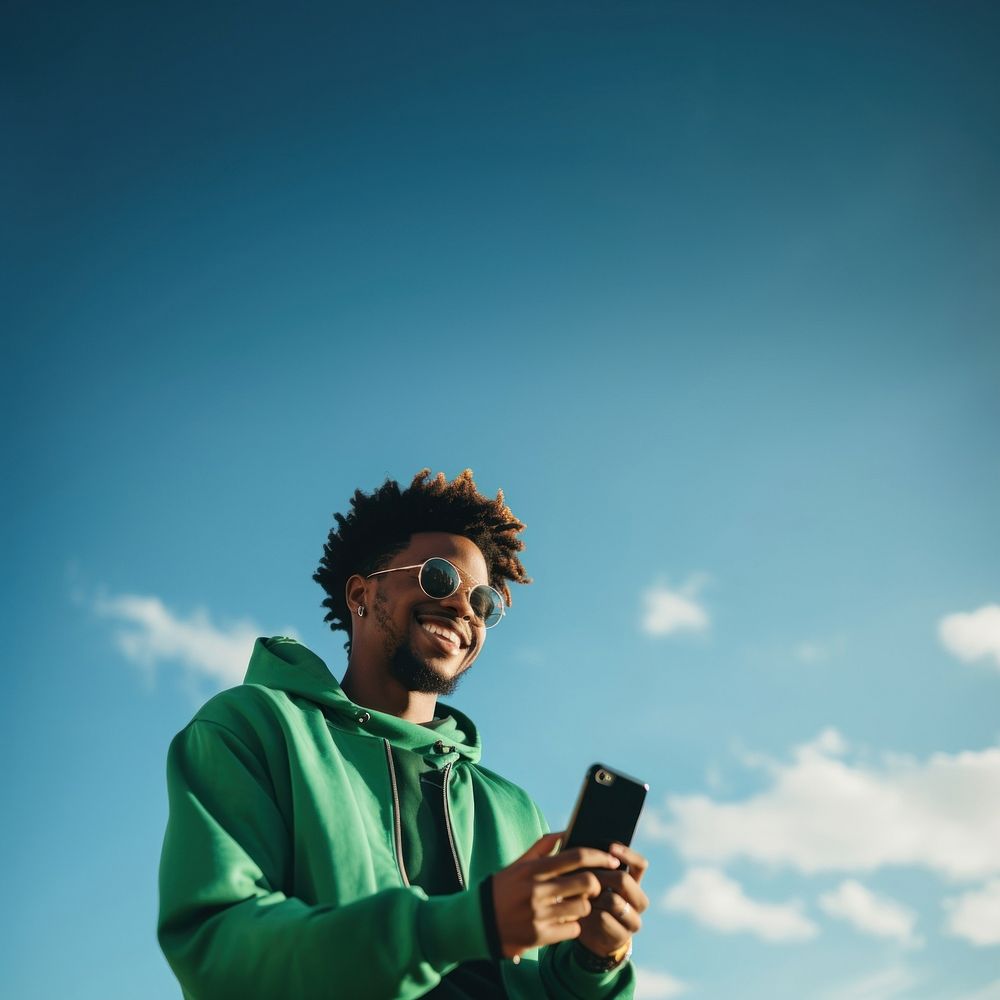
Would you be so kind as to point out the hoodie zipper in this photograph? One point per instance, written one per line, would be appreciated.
(397, 825)
(447, 824)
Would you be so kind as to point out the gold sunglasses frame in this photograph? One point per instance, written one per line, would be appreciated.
(458, 573)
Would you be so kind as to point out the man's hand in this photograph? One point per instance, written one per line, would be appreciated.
(540, 899)
(616, 913)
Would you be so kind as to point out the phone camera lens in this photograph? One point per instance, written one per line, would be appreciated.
(604, 777)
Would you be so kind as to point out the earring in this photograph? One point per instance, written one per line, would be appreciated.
(361, 611)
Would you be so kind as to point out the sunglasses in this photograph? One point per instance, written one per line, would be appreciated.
(439, 579)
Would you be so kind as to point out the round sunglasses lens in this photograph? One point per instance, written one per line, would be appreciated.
(487, 604)
(439, 579)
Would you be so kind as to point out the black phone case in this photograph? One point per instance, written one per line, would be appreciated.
(606, 810)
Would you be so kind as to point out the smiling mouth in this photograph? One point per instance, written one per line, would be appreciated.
(448, 635)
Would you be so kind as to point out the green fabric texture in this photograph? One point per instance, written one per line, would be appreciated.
(279, 873)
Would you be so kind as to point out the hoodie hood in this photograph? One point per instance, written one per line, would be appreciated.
(284, 664)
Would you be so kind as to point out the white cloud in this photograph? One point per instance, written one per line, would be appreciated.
(885, 984)
(650, 985)
(973, 635)
(822, 813)
(719, 902)
(975, 915)
(667, 611)
(148, 633)
(871, 913)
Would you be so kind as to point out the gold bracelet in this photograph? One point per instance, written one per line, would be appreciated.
(623, 952)
(590, 962)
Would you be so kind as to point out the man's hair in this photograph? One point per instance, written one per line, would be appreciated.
(380, 524)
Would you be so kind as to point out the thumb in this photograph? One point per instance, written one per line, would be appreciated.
(542, 847)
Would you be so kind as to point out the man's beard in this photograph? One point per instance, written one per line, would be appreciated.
(404, 664)
(415, 675)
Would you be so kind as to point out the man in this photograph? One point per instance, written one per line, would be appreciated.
(342, 840)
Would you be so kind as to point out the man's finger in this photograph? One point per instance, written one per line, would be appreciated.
(617, 917)
(572, 860)
(636, 862)
(541, 847)
(567, 908)
(625, 885)
(575, 884)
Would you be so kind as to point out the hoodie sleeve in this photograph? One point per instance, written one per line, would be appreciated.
(564, 978)
(228, 931)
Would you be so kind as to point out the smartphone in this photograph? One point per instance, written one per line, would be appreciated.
(606, 810)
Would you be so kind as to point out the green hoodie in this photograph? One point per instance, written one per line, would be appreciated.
(280, 874)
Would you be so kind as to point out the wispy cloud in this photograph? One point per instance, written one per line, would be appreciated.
(811, 652)
(871, 913)
(885, 984)
(823, 813)
(975, 915)
(972, 635)
(667, 610)
(530, 656)
(148, 633)
(650, 985)
(715, 900)
(991, 991)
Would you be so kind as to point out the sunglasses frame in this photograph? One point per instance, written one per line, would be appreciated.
(458, 573)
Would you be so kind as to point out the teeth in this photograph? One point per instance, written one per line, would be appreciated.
(440, 630)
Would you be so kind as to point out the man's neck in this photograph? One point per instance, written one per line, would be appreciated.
(386, 694)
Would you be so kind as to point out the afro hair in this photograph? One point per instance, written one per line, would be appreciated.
(380, 524)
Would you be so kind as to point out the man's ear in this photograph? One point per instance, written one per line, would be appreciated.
(355, 592)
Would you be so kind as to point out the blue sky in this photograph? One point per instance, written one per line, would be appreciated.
(709, 289)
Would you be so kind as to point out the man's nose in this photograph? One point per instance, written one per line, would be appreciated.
(459, 603)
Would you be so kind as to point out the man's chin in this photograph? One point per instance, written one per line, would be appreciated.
(419, 676)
